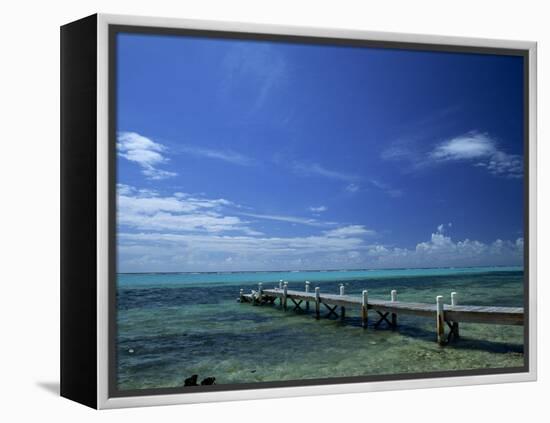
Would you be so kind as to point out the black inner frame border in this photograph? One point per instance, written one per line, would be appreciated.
(115, 29)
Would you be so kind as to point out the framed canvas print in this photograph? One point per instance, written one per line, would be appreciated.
(254, 211)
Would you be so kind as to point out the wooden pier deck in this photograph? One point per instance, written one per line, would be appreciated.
(387, 310)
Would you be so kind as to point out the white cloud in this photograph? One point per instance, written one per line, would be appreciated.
(289, 219)
(223, 155)
(149, 251)
(188, 232)
(352, 188)
(318, 209)
(145, 152)
(482, 151)
(146, 210)
(348, 231)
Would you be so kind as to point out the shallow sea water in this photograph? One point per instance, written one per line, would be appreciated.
(172, 326)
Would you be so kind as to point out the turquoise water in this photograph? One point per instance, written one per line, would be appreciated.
(171, 326)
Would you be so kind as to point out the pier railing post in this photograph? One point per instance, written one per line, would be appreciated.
(454, 302)
(440, 323)
(307, 291)
(343, 309)
(285, 290)
(317, 302)
(241, 295)
(393, 296)
(364, 308)
(281, 284)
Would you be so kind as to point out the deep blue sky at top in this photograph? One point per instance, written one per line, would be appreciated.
(352, 130)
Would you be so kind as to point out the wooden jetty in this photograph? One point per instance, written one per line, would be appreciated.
(386, 310)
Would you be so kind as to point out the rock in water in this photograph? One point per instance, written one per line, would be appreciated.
(191, 381)
(209, 381)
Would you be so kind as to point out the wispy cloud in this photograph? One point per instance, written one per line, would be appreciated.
(349, 231)
(316, 169)
(223, 155)
(289, 219)
(144, 152)
(482, 151)
(261, 66)
(476, 148)
(318, 209)
(386, 188)
(181, 212)
(352, 188)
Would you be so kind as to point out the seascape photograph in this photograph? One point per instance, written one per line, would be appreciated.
(296, 211)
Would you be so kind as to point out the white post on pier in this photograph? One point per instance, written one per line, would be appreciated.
(281, 284)
(440, 323)
(393, 296)
(241, 295)
(285, 291)
(454, 325)
(260, 290)
(307, 291)
(342, 308)
(364, 308)
(317, 302)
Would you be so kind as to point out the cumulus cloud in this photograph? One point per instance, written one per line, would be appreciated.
(482, 151)
(144, 152)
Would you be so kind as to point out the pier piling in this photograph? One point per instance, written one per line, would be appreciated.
(364, 308)
(342, 308)
(454, 325)
(317, 302)
(307, 291)
(440, 323)
(393, 296)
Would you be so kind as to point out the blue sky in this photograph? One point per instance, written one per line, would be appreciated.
(251, 155)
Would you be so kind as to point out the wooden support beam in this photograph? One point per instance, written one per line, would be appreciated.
(393, 297)
(296, 303)
(285, 295)
(317, 302)
(364, 309)
(383, 317)
(440, 322)
(331, 310)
